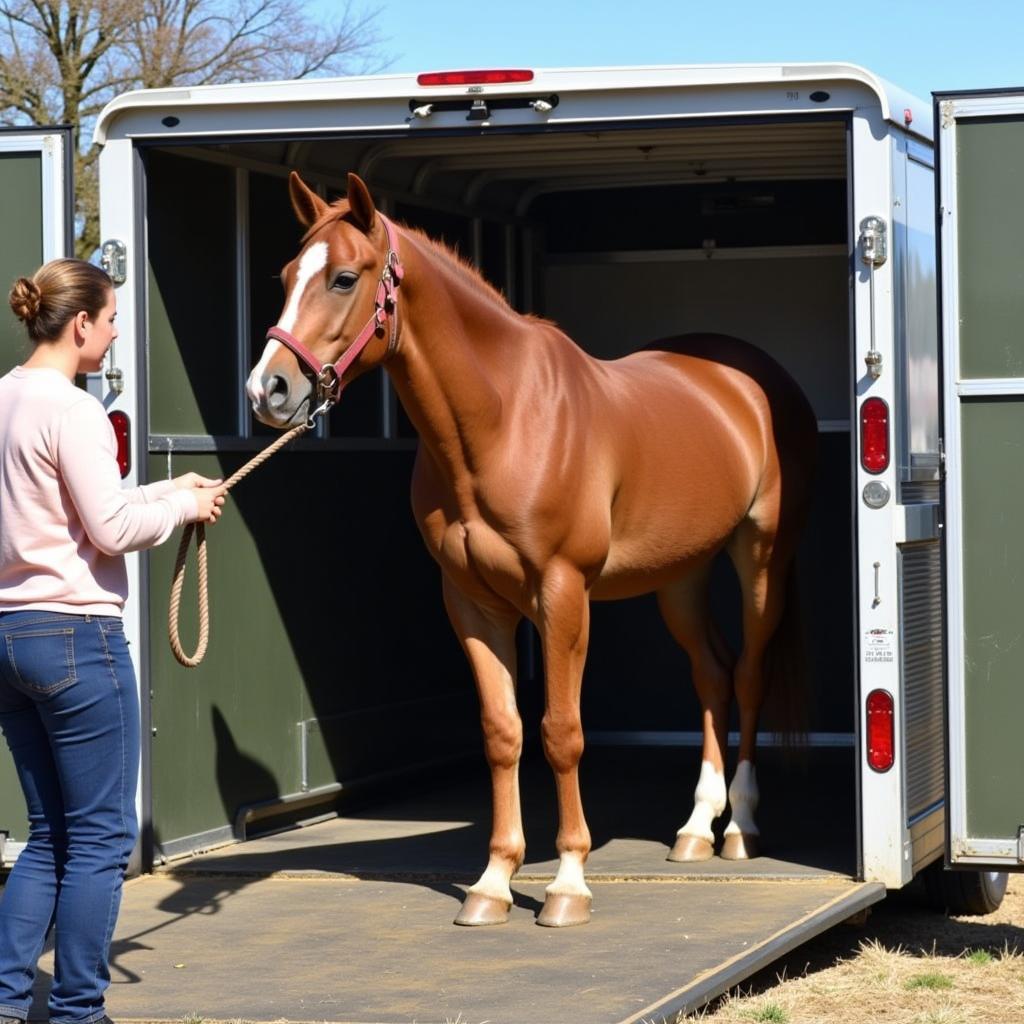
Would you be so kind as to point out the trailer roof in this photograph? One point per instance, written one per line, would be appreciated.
(894, 103)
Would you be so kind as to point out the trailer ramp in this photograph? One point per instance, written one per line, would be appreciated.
(349, 919)
(356, 950)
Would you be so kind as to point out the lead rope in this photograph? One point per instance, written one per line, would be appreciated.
(200, 532)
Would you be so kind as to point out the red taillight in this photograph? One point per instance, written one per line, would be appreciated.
(874, 435)
(493, 77)
(119, 421)
(881, 731)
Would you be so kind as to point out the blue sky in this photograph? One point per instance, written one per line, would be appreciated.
(922, 47)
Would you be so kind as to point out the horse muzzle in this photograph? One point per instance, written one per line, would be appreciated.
(277, 401)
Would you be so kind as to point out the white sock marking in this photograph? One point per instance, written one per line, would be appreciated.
(569, 880)
(494, 882)
(743, 798)
(709, 802)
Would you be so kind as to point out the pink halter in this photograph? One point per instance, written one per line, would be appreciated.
(328, 375)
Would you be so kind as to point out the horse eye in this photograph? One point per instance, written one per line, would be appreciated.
(345, 281)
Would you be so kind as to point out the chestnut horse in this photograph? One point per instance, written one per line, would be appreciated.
(546, 478)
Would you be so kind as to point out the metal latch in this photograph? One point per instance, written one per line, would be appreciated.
(874, 252)
(114, 260)
(873, 241)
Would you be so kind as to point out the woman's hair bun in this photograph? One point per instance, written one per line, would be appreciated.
(56, 293)
(25, 299)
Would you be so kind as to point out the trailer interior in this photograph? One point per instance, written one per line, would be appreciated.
(622, 236)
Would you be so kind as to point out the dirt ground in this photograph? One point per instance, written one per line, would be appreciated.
(906, 965)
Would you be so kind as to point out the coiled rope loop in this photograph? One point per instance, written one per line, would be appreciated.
(190, 661)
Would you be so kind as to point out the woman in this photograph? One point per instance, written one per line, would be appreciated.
(68, 696)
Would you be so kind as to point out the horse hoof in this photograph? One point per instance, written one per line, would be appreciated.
(478, 909)
(688, 849)
(740, 846)
(563, 911)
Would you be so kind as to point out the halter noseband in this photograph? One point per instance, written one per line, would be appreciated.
(329, 384)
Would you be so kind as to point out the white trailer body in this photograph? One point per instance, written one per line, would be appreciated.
(478, 150)
(887, 165)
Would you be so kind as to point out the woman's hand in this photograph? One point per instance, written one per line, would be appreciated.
(209, 502)
(208, 492)
(195, 480)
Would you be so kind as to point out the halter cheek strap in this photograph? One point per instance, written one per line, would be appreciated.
(385, 306)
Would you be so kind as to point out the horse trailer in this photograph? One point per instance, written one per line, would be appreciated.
(814, 210)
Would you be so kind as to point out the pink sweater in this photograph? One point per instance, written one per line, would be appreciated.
(65, 521)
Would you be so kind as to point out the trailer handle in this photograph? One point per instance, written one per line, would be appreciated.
(874, 251)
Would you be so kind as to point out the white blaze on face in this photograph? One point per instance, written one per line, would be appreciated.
(312, 261)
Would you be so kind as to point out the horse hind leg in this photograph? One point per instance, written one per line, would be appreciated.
(684, 608)
(762, 565)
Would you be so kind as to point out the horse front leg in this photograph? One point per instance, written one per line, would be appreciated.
(488, 638)
(564, 627)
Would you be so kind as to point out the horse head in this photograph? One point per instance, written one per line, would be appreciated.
(339, 296)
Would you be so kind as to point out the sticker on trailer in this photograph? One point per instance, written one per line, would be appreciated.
(879, 646)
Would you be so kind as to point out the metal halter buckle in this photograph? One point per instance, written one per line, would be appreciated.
(318, 411)
(327, 381)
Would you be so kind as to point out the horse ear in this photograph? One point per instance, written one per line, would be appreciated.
(360, 203)
(308, 206)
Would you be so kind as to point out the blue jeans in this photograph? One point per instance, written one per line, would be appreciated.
(69, 711)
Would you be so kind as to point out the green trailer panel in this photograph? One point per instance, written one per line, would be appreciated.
(21, 207)
(993, 596)
(34, 214)
(313, 563)
(981, 148)
(990, 225)
(21, 212)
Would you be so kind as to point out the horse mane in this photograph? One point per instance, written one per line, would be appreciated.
(339, 209)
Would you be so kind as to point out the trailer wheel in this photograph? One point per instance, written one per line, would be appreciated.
(965, 892)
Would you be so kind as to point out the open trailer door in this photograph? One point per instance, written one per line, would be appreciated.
(980, 139)
(36, 205)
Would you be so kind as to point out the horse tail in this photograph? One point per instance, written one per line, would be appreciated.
(785, 671)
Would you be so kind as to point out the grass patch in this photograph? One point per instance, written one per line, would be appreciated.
(770, 1014)
(909, 967)
(930, 980)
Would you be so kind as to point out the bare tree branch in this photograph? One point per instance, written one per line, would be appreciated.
(63, 60)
